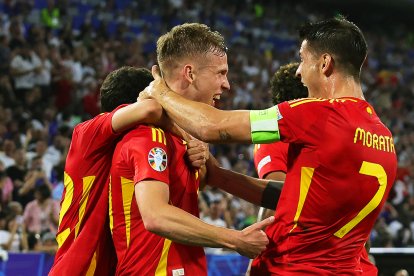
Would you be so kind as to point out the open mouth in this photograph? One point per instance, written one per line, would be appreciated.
(216, 98)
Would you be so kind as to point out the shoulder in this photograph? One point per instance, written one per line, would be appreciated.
(144, 136)
(320, 102)
(32, 204)
(140, 131)
(305, 102)
(313, 106)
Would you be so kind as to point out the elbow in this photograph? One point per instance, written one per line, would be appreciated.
(203, 134)
(152, 223)
(208, 133)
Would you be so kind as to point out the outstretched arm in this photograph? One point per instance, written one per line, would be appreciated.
(206, 122)
(260, 192)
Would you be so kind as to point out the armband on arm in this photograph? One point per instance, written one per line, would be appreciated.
(271, 194)
(264, 125)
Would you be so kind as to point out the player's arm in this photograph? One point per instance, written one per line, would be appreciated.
(143, 112)
(277, 175)
(210, 124)
(177, 225)
(260, 192)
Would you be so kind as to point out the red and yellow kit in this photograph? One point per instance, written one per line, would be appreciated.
(270, 158)
(341, 166)
(147, 153)
(84, 239)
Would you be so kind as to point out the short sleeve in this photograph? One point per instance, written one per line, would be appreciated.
(271, 158)
(302, 121)
(96, 134)
(149, 158)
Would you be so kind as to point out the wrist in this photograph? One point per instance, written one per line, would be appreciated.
(232, 239)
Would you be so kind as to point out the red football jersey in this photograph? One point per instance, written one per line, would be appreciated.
(149, 153)
(270, 158)
(367, 267)
(83, 236)
(341, 166)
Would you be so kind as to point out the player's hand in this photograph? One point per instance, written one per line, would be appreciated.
(253, 239)
(197, 153)
(156, 88)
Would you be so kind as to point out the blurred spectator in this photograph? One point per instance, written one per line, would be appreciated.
(35, 177)
(46, 243)
(44, 77)
(50, 15)
(50, 156)
(5, 55)
(215, 213)
(15, 31)
(402, 272)
(6, 156)
(24, 67)
(42, 214)
(6, 187)
(214, 217)
(58, 185)
(12, 233)
(17, 172)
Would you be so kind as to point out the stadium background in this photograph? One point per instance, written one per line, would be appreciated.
(73, 45)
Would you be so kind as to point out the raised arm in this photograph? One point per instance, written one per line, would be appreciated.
(206, 122)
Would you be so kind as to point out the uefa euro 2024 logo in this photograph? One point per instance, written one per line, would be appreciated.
(157, 158)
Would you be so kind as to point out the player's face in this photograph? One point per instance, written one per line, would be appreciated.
(210, 78)
(308, 70)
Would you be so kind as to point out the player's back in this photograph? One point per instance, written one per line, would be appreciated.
(83, 235)
(341, 166)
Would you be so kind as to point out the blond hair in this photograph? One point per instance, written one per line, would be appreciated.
(189, 40)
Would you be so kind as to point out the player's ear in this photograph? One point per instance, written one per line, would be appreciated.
(327, 64)
(188, 73)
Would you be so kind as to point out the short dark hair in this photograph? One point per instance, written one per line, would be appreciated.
(122, 86)
(285, 85)
(188, 40)
(340, 38)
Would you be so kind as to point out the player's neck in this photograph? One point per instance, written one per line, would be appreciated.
(340, 86)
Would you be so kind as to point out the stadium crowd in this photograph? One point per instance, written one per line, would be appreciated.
(53, 59)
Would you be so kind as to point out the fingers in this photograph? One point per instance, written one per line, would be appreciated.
(156, 73)
(195, 146)
(256, 239)
(264, 223)
(144, 94)
(197, 157)
(197, 152)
